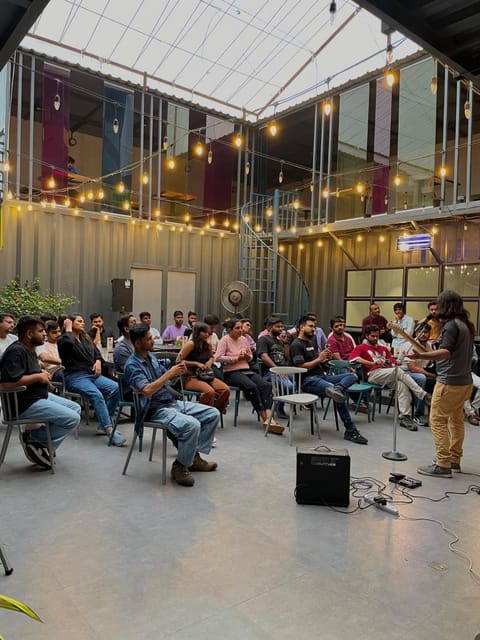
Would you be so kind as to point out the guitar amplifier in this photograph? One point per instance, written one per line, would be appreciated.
(323, 476)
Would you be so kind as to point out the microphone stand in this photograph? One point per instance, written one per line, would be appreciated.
(394, 454)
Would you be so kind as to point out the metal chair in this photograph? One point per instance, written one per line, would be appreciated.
(9, 399)
(292, 396)
(362, 388)
(122, 404)
(149, 425)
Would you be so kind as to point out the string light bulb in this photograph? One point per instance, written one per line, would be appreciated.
(57, 103)
(280, 175)
(467, 110)
(273, 129)
(116, 126)
(443, 171)
(397, 181)
(247, 168)
(5, 166)
(359, 187)
(325, 193)
(171, 164)
(67, 202)
(238, 141)
(165, 143)
(199, 149)
(327, 107)
(269, 212)
(210, 155)
(101, 194)
(145, 178)
(381, 238)
(390, 78)
(434, 85)
(332, 10)
(120, 187)
(51, 184)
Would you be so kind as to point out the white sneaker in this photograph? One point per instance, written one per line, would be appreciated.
(214, 443)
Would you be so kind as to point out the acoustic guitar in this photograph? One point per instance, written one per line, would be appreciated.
(397, 329)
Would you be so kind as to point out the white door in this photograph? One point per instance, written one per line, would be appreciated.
(147, 293)
(180, 294)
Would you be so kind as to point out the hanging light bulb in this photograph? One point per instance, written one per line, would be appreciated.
(442, 171)
(269, 212)
(327, 107)
(165, 143)
(126, 205)
(5, 166)
(51, 184)
(101, 194)
(312, 187)
(273, 129)
(332, 10)
(434, 85)
(210, 155)
(90, 195)
(359, 187)
(296, 205)
(397, 181)
(467, 110)
(145, 178)
(390, 77)
(120, 187)
(171, 163)
(238, 141)
(247, 168)
(67, 202)
(56, 101)
(116, 126)
(325, 193)
(280, 177)
(199, 149)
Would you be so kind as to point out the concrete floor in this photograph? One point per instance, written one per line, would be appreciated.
(100, 556)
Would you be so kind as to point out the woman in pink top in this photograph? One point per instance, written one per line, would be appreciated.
(234, 353)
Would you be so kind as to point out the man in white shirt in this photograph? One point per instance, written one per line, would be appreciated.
(7, 337)
(401, 320)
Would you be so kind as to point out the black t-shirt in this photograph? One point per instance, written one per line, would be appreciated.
(274, 348)
(77, 355)
(305, 351)
(19, 361)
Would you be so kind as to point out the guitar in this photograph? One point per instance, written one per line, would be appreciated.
(397, 329)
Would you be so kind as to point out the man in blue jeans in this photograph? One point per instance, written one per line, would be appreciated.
(192, 423)
(20, 367)
(304, 352)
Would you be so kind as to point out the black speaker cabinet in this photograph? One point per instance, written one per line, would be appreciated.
(122, 294)
(323, 476)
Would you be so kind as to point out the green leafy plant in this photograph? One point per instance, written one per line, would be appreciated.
(28, 299)
(15, 605)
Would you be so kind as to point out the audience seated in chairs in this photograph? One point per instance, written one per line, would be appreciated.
(98, 332)
(234, 353)
(197, 356)
(423, 372)
(20, 367)
(124, 347)
(341, 343)
(304, 352)
(192, 423)
(273, 352)
(379, 368)
(83, 366)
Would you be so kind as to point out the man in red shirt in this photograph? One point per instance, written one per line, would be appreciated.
(341, 342)
(379, 367)
(377, 319)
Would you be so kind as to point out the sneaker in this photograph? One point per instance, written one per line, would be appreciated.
(118, 440)
(355, 436)
(182, 475)
(214, 443)
(435, 471)
(455, 466)
(421, 421)
(474, 419)
(35, 452)
(100, 431)
(427, 399)
(199, 464)
(335, 393)
(407, 423)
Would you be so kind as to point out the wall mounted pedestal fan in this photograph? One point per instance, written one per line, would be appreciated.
(236, 296)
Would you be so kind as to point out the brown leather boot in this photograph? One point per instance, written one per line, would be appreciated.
(199, 464)
(181, 475)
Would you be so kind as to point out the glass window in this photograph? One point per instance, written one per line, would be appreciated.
(388, 283)
(463, 279)
(359, 283)
(351, 153)
(417, 309)
(472, 308)
(355, 311)
(416, 136)
(423, 282)
(386, 308)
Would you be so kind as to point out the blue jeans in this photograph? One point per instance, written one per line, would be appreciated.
(421, 380)
(318, 385)
(62, 415)
(192, 423)
(102, 392)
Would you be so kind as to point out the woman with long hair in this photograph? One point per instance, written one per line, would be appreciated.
(453, 385)
(197, 355)
(83, 374)
(234, 353)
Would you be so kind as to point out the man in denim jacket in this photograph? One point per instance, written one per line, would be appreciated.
(192, 423)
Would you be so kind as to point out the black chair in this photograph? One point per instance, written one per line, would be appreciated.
(9, 399)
